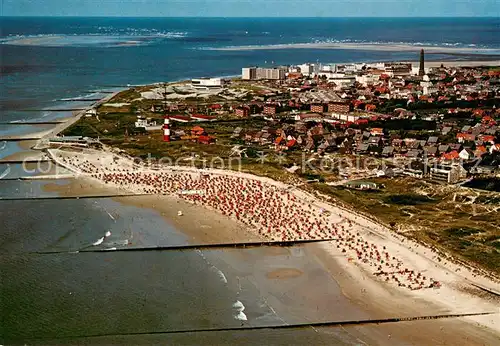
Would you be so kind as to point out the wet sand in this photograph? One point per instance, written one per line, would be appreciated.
(25, 155)
(308, 286)
(284, 273)
(203, 226)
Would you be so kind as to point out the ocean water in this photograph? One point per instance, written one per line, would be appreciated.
(47, 61)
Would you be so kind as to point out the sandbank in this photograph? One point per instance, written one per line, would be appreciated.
(363, 46)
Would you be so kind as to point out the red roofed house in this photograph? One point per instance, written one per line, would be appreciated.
(495, 147)
(479, 112)
(480, 151)
(377, 131)
(197, 131)
(452, 155)
(180, 118)
(487, 138)
(204, 139)
(464, 137)
(361, 121)
(291, 143)
(370, 107)
(488, 119)
(270, 109)
(280, 143)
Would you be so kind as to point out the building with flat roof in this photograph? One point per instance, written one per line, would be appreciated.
(249, 73)
(450, 174)
(256, 73)
(207, 83)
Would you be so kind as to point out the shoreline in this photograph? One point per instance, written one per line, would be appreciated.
(387, 47)
(450, 296)
(357, 285)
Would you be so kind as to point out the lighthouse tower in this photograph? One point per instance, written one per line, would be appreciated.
(166, 129)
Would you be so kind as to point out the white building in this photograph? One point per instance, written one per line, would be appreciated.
(428, 90)
(271, 73)
(415, 70)
(249, 73)
(90, 112)
(143, 122)
(345, 117)
(306, 69)
(368, 79)
(450, 174)
(206, 83)
(253, 73)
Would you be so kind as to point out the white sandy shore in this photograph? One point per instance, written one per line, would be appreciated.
(359, 240)
(364, 46)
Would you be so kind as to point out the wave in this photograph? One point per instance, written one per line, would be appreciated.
(98, 241)
(213, 268)
(240, 315)
(6, 173)
(365, 45)
(79, 97)
(221, 276)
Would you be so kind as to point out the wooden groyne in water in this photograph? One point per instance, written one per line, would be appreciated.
(19, 139)
(13, 123)
(54, 110)
(28, 160)
(295, 326)
(34, 198)
(245, 245)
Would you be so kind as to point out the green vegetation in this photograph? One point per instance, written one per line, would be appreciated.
(440, 218)
(407, 199)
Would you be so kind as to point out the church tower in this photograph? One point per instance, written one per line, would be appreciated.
(421, 70)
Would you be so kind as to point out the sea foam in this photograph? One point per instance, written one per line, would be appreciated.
(239, 307)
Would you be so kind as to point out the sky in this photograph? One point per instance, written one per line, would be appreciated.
(252, 8)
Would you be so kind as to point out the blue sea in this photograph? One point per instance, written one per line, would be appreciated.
(46, 61)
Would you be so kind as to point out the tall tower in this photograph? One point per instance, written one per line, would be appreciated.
(421, 70)
(166, 129)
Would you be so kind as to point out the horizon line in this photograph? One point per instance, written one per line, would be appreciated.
(243, 17)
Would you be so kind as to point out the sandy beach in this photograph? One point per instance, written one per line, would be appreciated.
(394, 271)
(201, 225)
(359, 286)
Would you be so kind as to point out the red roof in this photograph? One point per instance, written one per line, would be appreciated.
(206, 139)
(452, 155)
(204, 117)
(361, 121)
(291, 143)
(181, 118)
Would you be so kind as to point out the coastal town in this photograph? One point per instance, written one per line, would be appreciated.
(247, 173)
(438, 123)
(416, 148)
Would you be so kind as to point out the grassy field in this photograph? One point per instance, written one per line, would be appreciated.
(459, 221)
